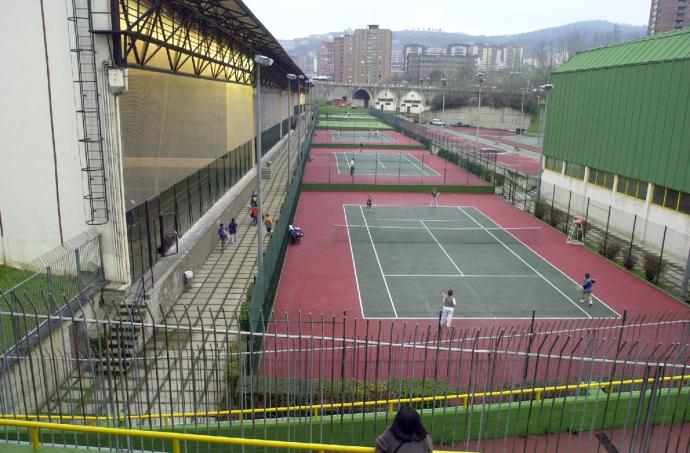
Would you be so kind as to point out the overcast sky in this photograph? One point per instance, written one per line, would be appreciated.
(298, 18)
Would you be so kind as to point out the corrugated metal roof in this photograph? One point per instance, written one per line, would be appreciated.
(674, 45)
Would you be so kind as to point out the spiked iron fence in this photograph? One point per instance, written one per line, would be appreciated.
(48, 284)
(535, 386)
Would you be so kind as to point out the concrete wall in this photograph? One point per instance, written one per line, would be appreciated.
(40, 176)
(198, 243)
(492, 118)
(651, 219)
(42, 186)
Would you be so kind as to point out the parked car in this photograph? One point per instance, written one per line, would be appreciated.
(459, 124)
(437, 122)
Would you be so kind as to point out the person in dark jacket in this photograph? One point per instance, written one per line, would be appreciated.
(587, 287)
(405, 435)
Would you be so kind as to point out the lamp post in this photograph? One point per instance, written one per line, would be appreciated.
(260, 60)
(290, 78)
(299, 114)
(480, 79)
(444, 82)
(522, 104)
(546, 89)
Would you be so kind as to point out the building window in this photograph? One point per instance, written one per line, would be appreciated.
(633, 187)
(553, 164)
(575, 170)
(601, 178)
(671, 199)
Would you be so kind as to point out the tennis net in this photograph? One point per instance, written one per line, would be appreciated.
(402, 158)
(431, 235)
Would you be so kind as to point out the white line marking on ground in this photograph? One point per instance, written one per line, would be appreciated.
(383, 276)
(442, 248)
(526, 263)
(547, 261)
(354, 266)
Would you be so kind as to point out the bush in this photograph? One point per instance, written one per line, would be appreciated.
(540, 209)
(610, 248)
(499, 180)
(629, 261)
(652, 266)
(556, 218)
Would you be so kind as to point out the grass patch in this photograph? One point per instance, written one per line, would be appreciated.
(11, 276)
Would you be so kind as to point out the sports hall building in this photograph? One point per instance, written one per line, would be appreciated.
(617, 139)
(127, 120)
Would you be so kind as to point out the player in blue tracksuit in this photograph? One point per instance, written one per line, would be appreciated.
(587, 289)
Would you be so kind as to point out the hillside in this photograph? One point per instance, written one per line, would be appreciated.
(573, 37)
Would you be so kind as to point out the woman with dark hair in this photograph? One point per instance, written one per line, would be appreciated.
(405, 435)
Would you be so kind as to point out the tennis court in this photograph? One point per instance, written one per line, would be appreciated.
(406, 256)
(382, 164)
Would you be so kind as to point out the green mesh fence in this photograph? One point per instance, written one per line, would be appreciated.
(266, 283)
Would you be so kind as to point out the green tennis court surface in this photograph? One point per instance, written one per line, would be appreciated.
(406, 256)
(382, 164)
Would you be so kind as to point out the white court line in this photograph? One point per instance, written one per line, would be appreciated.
(463, 275)
(420, 168)
(526, 263)
(383, 276)
(354, 266)
(442, 248)
(547, 261)
(507, 230)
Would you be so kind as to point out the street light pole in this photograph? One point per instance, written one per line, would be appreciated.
(522, 104)
(290, 78)
(444, 81)
(546, 89)
(299, 114)
(480, 79)
(260, 60)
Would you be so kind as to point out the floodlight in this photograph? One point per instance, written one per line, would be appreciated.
(263, 60)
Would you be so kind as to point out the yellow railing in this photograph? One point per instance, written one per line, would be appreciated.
(177, 439)
(318, 409)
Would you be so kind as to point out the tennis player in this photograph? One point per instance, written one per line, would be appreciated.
(587, 286)
(370, 201)
(434, 198)
(448, 308)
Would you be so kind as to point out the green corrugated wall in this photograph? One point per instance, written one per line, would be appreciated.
(629, 120)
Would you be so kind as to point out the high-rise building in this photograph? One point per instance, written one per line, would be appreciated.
(397, 60)
(490, 57)
(342, 58)
(372, 55)
(420, 67)
(411, 49)
(326, 59)
(459, 50)
(436, 51)
(667, 15)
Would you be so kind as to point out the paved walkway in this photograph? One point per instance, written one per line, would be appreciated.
(185, 364)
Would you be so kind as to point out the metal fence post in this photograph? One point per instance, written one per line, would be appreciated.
(567, 215)
(632, 238)
(661, 255)
(606, 233)
(49, 278)
(80, 282)
(686, 278)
